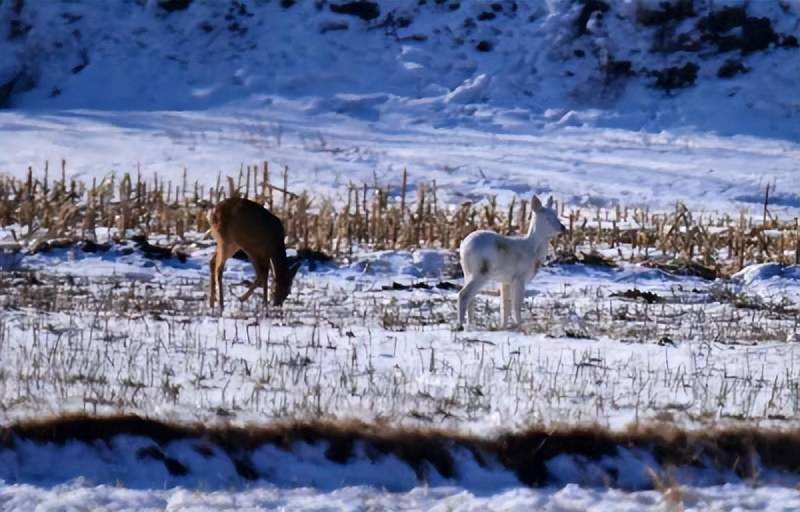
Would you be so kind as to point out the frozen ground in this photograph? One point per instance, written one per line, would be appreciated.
(122, 86)
(115, 332)
(728, 497)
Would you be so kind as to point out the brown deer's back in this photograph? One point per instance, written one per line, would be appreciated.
(241, 221)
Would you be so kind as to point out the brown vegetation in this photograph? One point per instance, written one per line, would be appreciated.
(705, 244)
(743, 450)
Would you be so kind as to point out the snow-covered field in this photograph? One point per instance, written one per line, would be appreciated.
(116, 333)
(498, 98)
(113, 332)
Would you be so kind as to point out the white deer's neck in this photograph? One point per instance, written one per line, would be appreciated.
(537, 240)
(534, 233)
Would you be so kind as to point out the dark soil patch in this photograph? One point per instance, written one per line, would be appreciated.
(363, 9)
(789, 42)
(731, 68)
(156, 251)
(676, 77)
(484, 46)
(684, 268)
(421, 285)
(637, 294)
(752, 34)
(667, 12)
(592, 258)
(174, 5)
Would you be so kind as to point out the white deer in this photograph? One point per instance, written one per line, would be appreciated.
(510, 260)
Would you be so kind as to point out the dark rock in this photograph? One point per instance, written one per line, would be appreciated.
(157, 252)
(174, 5)
(676, 77)
(486, 15)
(755, 34)
(635, 293)
(484, 46)
(668, 12)
(18, 28)
(92, 246)
(363, 9)
(723, 20)
(312, 259)
(617, 69)
(6, 89)
(789, 42)
(731, 68)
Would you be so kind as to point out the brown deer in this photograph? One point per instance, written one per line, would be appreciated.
(238, 223)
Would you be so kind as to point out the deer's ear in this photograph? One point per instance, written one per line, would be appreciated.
(536, 205)
(550, 202)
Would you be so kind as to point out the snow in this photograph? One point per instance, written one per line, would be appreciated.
(770, 282)
(114, 475)
(588, 167)
(128, 87)
(394, 355)
(569, 498)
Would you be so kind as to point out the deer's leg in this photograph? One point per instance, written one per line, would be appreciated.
(505, 303)
(250, 289)
(266, 290)
(465, 298)
(517, 296)
(261, 279)
(257, 281)
(224, 251)
(212, 283)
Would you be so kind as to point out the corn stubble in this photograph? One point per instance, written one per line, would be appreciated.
(386, 217)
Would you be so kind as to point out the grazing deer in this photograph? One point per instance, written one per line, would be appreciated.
(239, 223)
(511, 260)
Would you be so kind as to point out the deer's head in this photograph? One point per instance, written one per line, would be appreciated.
(547, 222)
(283, 284)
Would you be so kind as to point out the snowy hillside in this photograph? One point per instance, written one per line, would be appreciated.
(610, 106)
(598, 103)
(729, 67)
